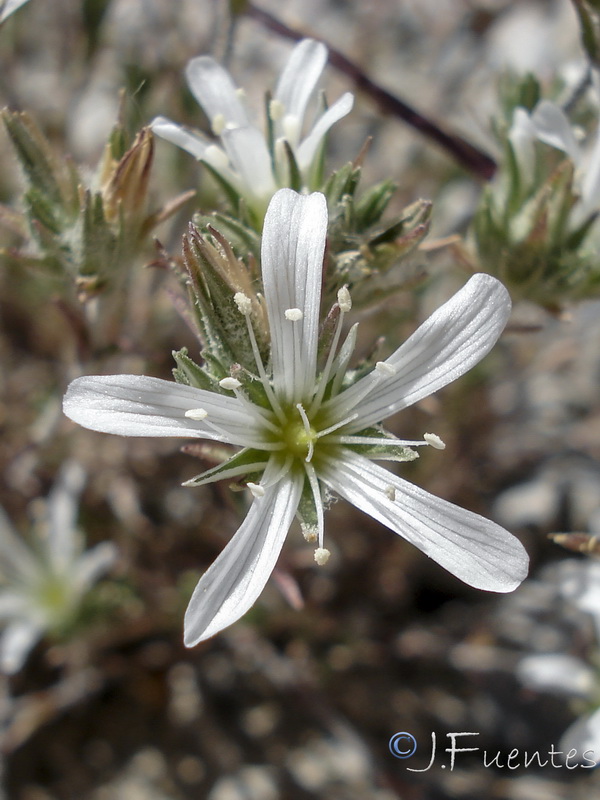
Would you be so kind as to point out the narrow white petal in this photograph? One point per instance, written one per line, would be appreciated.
(454, 338)
(15, 643)
(249, 156)
(13, 604)
(15, 557)
(590, 183)
(300, 75)
(9, 7)
(63, 505)
(552, 126)
(307, 150)
(476, 550)
(92, 564)
(192, 143)
(136, 405)
(233, 583)
(213, 88)
(293, 246)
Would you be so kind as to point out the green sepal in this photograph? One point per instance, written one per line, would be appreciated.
(247, 461)
(190, 373)
(383, 451)
(232, 195)
(372, 203)
(294, 176)
(307, 513)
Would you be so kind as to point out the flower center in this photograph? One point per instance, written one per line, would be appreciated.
(298, 434)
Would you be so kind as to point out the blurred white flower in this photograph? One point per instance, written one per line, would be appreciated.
(41, 585)
(250, 164)
(308, 432)
(548, 123)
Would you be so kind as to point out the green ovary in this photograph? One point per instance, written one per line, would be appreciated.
(298, 439)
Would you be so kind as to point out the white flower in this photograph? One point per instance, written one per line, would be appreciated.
(307, 432)
(41, 587)
(548, 123)
(252, 165)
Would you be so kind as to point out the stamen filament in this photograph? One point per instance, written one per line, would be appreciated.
(324, 379)
(331, 428)
(316, 491)
(234, 472)
(262, 372)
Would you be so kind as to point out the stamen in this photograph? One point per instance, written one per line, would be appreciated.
(256, 489)
(434, 440)
(219, 474)
(390, 493)
(344, 357)
(293, 314)
(276, 110)
(230, 384)
(240, 93)
(258, 360)
(197, 414)
(316, 491)
(322, 556)
(345, 304)
(291, 128)
(216, 158)
(218, 124)
(337, 425)
(376, 441)
(385, 369)
(309, 435)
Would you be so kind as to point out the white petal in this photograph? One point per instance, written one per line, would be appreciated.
(479, 552)
(16, 560)
(92, 565)
(293, 246)
(13, 603)
(590, 184)
(248, 153)
(584, 737)
(9, 7)
(454, 338)
(235, 580)
(136, 405)
(300, 75)
(213, 88)
(552, 126)
(308, 148)
(192, 143)
(63, 539)
(15, 643)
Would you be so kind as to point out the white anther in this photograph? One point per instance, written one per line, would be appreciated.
(218, 124)
(344, 299)
(197, 414)
(230, 383)
(385, 369)
(276, 110)
(256, 489)
(291, 128)
(215, 157)
(240, 93)
(243, 303)
(434, 440)
(390, 493)
(322, 556)
(293, 314)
